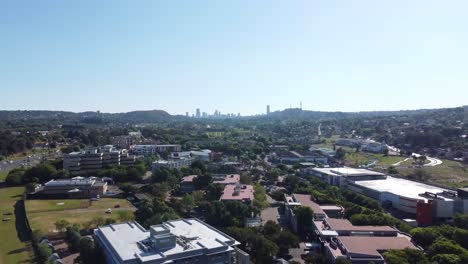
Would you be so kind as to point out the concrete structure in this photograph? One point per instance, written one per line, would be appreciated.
(94, 159)
(359, 244)
(410, 197)
(177, 241)
(72, 188)
(364, 250)
(149, 150)
(339, 176)
(232, 179)
(239, 192)
(292, 157)
(203, 155)
(172, 164)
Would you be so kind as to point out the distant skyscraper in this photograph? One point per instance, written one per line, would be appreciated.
(186, 114)
(268, 109)
(198, 113)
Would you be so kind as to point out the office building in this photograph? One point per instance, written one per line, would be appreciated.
(151, 150)
(268, 109)
(198, 114)
(177, 242)
(93, 159)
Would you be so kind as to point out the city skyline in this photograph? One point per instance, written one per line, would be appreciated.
(234, 57)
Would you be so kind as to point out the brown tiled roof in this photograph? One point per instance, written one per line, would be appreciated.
(346, 225)
(372, 245)
(305, 200)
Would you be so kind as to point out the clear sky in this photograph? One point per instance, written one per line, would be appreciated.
(234, 56)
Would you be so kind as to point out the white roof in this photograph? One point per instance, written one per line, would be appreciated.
(347, 171)
(123, 238)
(402, 187)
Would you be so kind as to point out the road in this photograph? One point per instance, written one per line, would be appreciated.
(432, 161)
(7, 165)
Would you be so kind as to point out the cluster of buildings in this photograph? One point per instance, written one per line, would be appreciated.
(152, 150)
(367, 145)
(75, 188)
(339, 238)
(125, 141)
(423, 201)
(177, 241)
(94, 159)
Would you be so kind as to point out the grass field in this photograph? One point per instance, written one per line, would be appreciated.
(13, 249)
(43, 214)
(3, 176)
(450, 173)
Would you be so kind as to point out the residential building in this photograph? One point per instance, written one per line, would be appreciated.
(150, 150)
(186, 184)
(177, 241)
(239, 192)
(72, 188)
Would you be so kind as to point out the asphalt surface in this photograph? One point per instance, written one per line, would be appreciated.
(33, 160)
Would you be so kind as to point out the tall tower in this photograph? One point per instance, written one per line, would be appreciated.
(268, 109)
(198, 113)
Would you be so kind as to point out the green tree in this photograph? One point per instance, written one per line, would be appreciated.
(340, 153)
(61, 225)
(461, 220)
(446, 259)
(304, 217)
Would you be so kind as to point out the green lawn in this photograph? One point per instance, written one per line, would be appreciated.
(12, 249)
(43, 214)
(3, 176)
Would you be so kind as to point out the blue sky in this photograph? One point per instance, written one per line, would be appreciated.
(234, 56)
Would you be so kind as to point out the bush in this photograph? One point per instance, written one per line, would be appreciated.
(44, 252)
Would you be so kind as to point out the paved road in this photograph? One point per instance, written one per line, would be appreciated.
(7, 165)
(432, 161)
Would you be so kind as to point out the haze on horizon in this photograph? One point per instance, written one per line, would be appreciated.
(235, 57)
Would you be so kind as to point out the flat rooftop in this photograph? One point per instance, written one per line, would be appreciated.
(237, 193)
(403, 187)
(125, 238)
(227, 179)
(372, 245)
(348, 172)
(306, 200)
(346, 225)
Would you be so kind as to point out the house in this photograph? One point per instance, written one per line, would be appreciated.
(176, 241)
(186, 184)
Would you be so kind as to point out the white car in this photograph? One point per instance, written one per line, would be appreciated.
(109, 211)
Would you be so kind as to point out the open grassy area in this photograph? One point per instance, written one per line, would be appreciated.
(452, 174)
(354, 158)
(43, 214)
(3, 176)
(14, 246)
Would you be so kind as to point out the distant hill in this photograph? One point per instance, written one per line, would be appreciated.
(297, 113)
(88, 117)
